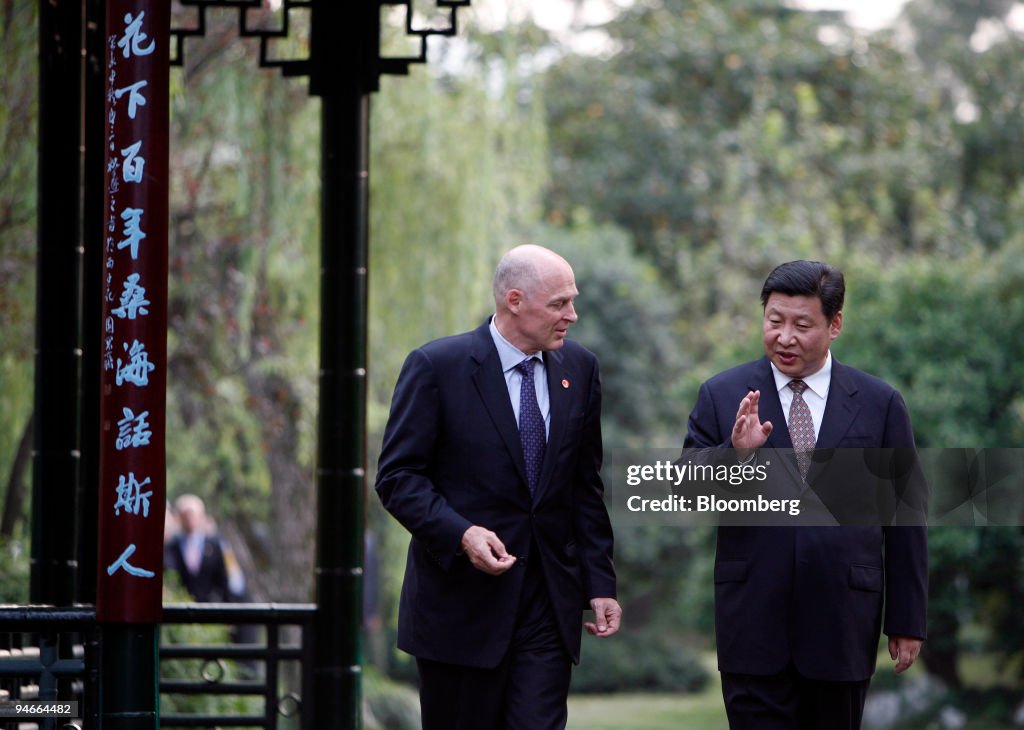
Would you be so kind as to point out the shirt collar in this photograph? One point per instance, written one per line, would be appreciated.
(817, 382)
(509, 354)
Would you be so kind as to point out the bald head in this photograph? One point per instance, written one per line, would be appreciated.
(534, 289)
(522, 268)
(191, 512)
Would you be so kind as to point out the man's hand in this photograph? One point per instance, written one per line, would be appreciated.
(904, 650)
(485, 551)
(607, 617)
(748, 433)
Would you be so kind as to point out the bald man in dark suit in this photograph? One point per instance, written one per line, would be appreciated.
(491, 460)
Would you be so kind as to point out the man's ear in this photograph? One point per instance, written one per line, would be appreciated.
(513, 300)
(836, 325)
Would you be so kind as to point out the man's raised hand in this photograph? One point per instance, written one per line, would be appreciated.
(748, 433)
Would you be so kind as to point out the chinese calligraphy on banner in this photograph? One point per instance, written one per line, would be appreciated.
(133, 389)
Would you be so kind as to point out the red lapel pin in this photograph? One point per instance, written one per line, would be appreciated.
(565, 383)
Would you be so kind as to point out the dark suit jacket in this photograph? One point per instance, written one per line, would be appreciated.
(812, 595)
(210, 583)
(452, 458)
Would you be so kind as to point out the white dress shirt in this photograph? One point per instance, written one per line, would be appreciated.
(815, 395)
(510, 356)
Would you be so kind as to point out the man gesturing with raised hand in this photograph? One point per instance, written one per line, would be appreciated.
(798, 609)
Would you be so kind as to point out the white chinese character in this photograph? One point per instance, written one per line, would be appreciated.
(135, 99)
(133, 38)
(133, 299)
(122, 562)
(132, 218)
(130, 495)
(133, 431)
(133, 163)
(137, 369)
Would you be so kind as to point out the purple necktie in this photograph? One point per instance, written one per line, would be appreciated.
(531, 424)
(801, 427)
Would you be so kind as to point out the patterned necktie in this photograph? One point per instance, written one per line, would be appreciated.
(531, 424)
(801, 427)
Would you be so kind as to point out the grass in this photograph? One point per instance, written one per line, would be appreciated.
(983, 672)
(705, 710)
(651, 711)
(659, 711)
(647, 712)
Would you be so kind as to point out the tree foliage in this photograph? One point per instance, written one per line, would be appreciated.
(243, 298)
(727, 137)
(961, 375)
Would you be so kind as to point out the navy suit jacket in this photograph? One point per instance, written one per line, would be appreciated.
(452, 458)
(812, 595)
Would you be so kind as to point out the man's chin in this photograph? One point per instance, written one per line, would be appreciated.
(790, 367)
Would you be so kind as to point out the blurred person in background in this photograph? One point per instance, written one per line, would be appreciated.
(205, 562)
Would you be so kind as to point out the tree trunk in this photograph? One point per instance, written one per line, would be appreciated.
(289, 573)
(14, 501)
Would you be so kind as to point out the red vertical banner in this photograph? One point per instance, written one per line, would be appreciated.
(134, 371)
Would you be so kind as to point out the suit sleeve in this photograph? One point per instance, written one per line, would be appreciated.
(404, 481)
(906, 548)
(703, 430)
(708, 440)
(593, 527)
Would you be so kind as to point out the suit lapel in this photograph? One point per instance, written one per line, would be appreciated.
(769, 406)
(560, 395)
(841, 408)
(489, 381)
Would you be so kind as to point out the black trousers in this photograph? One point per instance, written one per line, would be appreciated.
(788, 701)
(527, 691)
